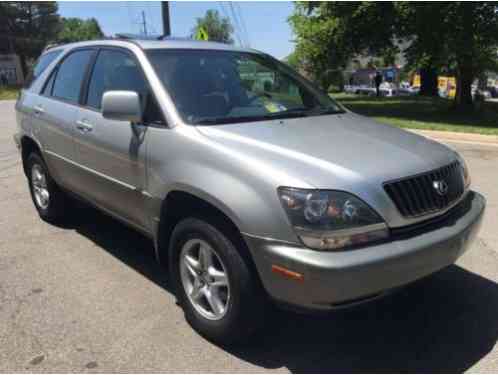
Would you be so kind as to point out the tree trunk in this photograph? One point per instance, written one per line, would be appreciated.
(24, 65)
(465, 57)
(463, 98)
(428, 82)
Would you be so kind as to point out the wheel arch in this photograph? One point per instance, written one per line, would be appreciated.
(28, 146)
(204, 207)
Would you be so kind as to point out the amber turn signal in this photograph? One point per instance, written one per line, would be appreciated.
(287, 273)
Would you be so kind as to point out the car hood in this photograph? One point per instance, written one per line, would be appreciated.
(334, 151)
(344, 152)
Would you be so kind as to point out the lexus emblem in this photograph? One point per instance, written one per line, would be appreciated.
(440, 186)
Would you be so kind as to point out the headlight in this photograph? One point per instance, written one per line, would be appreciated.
(329, 220)
(465, 171)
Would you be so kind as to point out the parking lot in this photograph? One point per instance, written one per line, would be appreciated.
(89, 297)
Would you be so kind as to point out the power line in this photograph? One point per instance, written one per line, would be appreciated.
(239, 8)
(236, 21)
(236, 24)
(225, 13)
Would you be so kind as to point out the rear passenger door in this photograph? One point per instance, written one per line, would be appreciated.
(112, 152)
(55, 111)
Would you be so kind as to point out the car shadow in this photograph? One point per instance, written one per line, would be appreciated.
(443, 324)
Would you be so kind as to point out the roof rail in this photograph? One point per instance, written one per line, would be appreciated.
(52, 45)
(128, 36)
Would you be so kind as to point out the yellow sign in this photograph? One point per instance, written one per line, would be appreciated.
(447, 85)
(201, 34)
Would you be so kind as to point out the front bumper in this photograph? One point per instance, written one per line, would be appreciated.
(337, 279)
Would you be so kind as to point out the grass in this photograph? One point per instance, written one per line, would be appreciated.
(423, 113)
(9, 92)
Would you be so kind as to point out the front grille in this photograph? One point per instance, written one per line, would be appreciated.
(417, 196)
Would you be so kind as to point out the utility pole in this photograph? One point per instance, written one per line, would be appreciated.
(144, 22)
(165, 14)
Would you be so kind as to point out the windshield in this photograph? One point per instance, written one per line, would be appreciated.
(221, 87)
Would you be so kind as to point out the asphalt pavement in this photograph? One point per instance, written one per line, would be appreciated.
(89, 297)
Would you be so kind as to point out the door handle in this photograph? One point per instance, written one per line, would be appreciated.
(84, 126)
(38, 110)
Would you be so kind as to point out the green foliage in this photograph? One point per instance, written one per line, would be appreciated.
(459, 37)
(26, 27)
(76, 29)
(294, 61)
(330, 34)
(218, 29)
(456, 37)
(9, 92)
(473, 39)
(424, 26)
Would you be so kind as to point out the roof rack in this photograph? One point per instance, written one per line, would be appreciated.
(52, 45)
(128, 36)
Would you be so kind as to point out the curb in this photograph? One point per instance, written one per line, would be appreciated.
(458, 137)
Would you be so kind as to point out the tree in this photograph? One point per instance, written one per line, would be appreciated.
(458, 36)
(453, 36)
(330, 34)
(294, 61)
(218, 29)
(472, 32)
(424, 26)
(76, 29)
(27, 27)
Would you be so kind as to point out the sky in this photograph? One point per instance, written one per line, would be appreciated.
(266, 22)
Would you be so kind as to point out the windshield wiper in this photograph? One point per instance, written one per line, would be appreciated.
(224, 120)
(291, 113)
(325, 111)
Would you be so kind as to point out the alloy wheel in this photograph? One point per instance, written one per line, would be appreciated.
(204, 279)
(40, 189)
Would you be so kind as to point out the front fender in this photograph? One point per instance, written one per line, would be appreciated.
(254, 208)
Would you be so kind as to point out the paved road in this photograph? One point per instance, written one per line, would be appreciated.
(89, 297)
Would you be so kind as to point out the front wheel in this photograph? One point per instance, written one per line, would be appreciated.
(215, 285)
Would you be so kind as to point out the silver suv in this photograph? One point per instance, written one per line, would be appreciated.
(254, 185)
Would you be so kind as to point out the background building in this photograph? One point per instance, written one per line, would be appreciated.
(10, 68)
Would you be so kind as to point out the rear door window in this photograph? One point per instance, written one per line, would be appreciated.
(70, 75)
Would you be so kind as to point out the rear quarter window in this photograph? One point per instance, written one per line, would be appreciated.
(40, 66)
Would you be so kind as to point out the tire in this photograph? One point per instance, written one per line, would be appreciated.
(245, 303)
(52, 208)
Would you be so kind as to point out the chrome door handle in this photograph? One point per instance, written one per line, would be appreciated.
(84, 126)
(38, 110)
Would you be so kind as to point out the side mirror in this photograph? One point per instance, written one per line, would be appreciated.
(122, 105)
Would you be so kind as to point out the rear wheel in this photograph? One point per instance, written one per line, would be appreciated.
(214, 283)
(49, 200)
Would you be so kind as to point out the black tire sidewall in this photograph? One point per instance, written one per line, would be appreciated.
(55, 204)
(240, 320)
